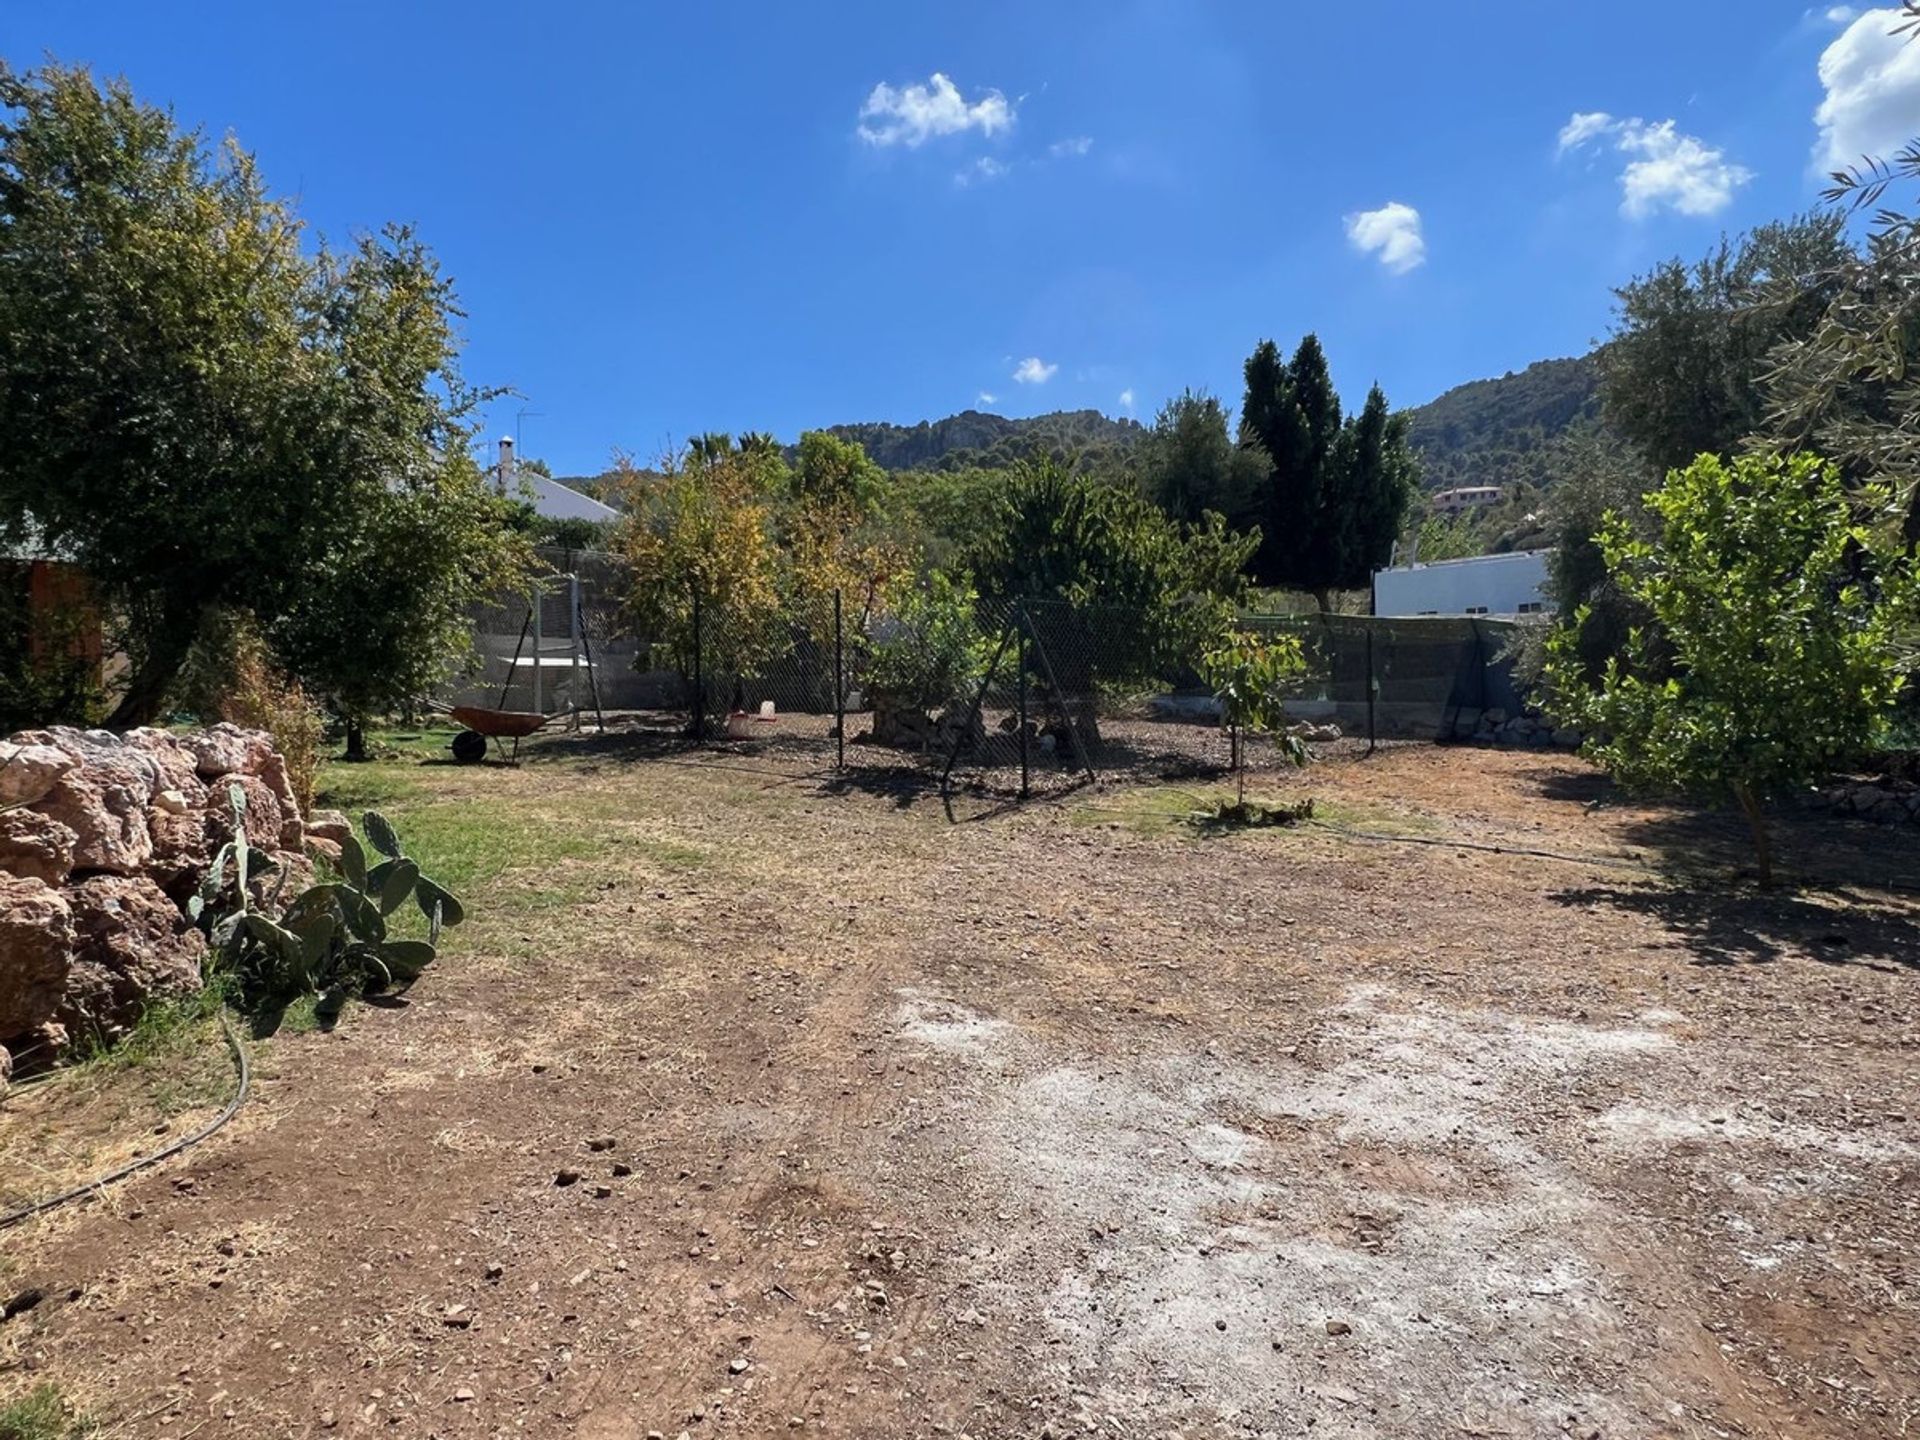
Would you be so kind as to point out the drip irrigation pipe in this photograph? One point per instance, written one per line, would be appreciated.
(186, 1142)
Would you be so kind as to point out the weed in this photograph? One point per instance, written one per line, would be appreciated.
(42, 1414)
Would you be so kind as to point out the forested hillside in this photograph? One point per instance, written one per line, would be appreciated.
(1499, 432)
(973, 439)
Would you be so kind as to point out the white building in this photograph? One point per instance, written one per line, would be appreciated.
(549, 498)
(1514, 584)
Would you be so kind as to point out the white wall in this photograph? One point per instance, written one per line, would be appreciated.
(556, 502)
(1489, 584)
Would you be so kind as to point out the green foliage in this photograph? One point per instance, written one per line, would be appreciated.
(700, 541)
(569, 532)
(1502, 431)
(1769, 656)
(1684, 374)
(1081, 440)
(332, 941)
(1188, 464)
(1335, 492)
(1247, 672)
(201, 411)
(930, 650)
(42, 1413)
(1848, 387)
(1063, 536)
(49, 674)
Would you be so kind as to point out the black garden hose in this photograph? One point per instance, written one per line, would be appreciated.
(186, 1142)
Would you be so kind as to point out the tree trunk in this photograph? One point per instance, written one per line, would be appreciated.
(356, 741)
(1762, 841)
(166, 652)
(1323, 597)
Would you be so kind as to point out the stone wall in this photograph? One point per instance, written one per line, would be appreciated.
(103, 838)
(1883, 800)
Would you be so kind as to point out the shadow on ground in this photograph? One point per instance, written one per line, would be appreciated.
(1703, 846)
(1743, 927)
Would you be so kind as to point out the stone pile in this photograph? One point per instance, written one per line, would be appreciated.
(1885, 800)
(1527, 730)
(103, 838)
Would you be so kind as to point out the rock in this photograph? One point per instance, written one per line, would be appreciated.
(103, 799)
(6, 1071)
(180, 851)
(35, 846)
(227, 749)
(173, 762)
(274, 889)
(1193, 709)
(171, 802)
(273, 773)
(1568, 739)
(263, 818)
(132, 947)
(36, 951)
(566, 1177)
(738, 1365)
(327, 850)
(329, 825)
(1315, 734)
(1339, 1327)
(28, 772)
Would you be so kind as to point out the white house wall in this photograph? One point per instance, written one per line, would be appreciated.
(1482, 585)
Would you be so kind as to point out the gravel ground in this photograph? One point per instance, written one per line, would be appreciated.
(1064, 1119)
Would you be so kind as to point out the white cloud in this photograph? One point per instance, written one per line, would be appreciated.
(1391, 233)
(987, 398)
(1872, 83)
(913, 114)
(985, 169)
(1126, 398)
(1669, 170)
(1033, 371)
(1583, 127)
(1841, 14)
(1071, 148)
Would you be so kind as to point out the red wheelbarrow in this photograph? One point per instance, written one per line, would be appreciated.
(499, 726)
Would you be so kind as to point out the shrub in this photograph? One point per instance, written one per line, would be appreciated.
(1247, 672)
(931, 649)
(1776, 603)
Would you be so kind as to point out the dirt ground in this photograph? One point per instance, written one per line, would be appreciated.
(1058, 1120)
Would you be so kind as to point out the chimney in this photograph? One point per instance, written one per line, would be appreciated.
(505, 476)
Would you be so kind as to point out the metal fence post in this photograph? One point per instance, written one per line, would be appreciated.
(839, 687)
(1373, 688)
(699, 680)
(1026, 759)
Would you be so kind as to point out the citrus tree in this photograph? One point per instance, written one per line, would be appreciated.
(1246, 673)
(1775, 601)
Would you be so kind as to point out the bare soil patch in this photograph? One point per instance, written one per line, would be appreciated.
(1062, 1120)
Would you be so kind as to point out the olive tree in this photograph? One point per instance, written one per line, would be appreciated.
(207, 415)
(1773, 599)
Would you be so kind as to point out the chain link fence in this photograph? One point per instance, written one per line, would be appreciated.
(1003, 697)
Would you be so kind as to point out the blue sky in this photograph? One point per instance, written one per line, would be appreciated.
(666, 218)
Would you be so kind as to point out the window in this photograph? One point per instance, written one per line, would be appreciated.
(1476, 609)
(1532, 607)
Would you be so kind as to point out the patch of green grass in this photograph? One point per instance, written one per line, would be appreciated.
(43, 1414)
(374, 785)
(1152, 809)
(1377, 819)
(165, 1030)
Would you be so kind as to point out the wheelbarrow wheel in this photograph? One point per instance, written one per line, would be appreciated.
(469, 747)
